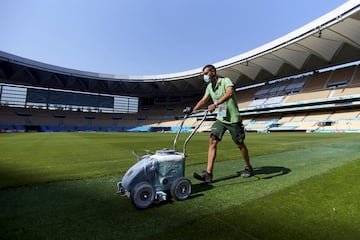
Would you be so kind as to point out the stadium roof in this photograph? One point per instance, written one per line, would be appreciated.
(330, 40)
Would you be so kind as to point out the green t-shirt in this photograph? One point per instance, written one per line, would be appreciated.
(227, 112)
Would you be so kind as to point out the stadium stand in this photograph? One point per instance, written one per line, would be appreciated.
(317, 81)
(299, 82)
(341, 77)
(311, 90)
(356, 78)
(307, 108)
(316, 106)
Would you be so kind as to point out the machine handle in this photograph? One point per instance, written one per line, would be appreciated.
(194, 131)
(188, 113)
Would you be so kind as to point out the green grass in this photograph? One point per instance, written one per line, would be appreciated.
(47, 157)
(62, 186)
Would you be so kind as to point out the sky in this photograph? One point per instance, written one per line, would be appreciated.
(147, 37)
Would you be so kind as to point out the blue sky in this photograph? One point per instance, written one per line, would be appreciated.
(146, 37)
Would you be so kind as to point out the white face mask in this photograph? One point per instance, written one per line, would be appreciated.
(207, 78)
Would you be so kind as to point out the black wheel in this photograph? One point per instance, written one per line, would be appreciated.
(143, 195)
(181, 188)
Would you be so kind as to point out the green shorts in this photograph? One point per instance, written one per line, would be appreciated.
(236, 130)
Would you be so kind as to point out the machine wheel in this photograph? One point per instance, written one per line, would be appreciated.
(181, 188)
(143, 195)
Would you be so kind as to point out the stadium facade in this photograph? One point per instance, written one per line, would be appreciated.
(307, 80)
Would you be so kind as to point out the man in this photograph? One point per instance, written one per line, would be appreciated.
(221, 91)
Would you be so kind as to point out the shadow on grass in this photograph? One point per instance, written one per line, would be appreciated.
(196, 190)
(265, 172)
(200, 187)
(271, 171)
(268, 171)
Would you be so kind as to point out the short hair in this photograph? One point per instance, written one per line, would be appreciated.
(209, 66)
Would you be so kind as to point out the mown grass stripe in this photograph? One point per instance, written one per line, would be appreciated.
(292, 184)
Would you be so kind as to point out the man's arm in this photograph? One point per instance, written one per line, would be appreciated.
(229, 91)
(228, 94)
(201, 102)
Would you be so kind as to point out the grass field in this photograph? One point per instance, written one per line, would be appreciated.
(62, 186)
